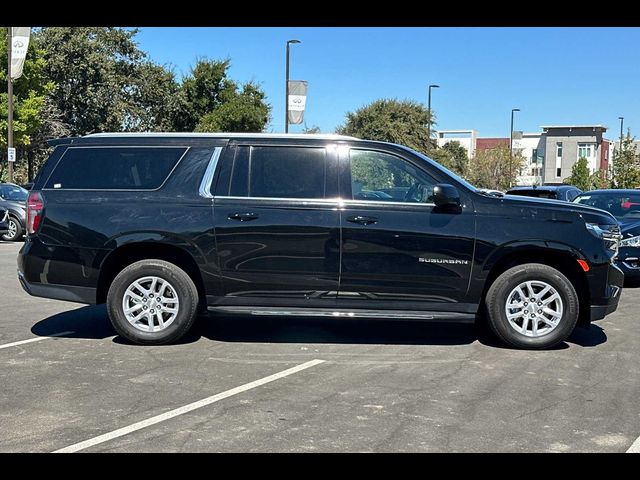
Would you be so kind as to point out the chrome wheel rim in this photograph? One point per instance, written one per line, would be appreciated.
(150, 304)
(13, 229)
(534, 308)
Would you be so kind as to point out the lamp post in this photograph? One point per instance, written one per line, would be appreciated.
(621, 129)
(286, 90)
(429, 108)
(513, 110)
(10, 105)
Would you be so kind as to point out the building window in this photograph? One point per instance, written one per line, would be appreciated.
(559, 172)
(586, 150)
(558, 149)
(558, 159)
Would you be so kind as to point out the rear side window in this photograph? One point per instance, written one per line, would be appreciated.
(279, 172)
(114, 168)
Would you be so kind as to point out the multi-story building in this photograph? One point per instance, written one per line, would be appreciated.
(466, 138)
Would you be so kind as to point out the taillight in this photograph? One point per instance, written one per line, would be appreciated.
(35, 205)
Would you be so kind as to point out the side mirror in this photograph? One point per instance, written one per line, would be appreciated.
(446, 196)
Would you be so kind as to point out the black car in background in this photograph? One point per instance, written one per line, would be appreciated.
(554, 192)
(161, 226)
(14, 199)
(625, 206)
(4, 225)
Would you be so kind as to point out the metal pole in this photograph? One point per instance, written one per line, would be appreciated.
(286, 95)
(621, 130)
(511, 150)
(429, 120)
(10, 104)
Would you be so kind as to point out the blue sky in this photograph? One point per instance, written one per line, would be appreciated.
(554, 75)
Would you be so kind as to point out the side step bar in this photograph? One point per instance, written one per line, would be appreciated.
(351, 313)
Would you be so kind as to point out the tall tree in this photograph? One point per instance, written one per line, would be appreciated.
(104, 82)
(490, 168)
(580, 176)
(30, 92)
(390, 120)
(455, 157)
(626, 165)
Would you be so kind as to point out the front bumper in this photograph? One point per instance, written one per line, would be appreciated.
(608, 303)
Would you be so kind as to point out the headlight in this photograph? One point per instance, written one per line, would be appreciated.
(631, 242)
(610, 234)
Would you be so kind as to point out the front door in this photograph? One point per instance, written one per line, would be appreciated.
(277, 226)
(398, 250)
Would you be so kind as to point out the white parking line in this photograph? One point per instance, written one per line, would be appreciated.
(186, 409)
(635, 446)
(31, 340)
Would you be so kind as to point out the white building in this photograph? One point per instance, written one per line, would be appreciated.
(531, 147)
(466, 138)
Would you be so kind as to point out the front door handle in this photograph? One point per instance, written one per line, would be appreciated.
(362, 220)
(242, 217)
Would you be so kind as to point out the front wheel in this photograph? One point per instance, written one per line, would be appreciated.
(152, 302)
(532, 306)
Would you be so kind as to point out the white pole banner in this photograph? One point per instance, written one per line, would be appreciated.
(19, 46)
(297, 101)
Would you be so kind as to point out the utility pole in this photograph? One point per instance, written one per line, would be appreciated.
(10, 104)
(286, 89)
(511, 147)
(429, 108)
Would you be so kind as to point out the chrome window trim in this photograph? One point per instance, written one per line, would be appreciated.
(207, 179)
(339, 201)
(187, 148)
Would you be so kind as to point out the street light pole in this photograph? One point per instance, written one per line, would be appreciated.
(621, 130)
(429, 108)
(10, 105)
(286, 89)
(511, 146)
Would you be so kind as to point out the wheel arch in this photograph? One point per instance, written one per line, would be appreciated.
(132, 252)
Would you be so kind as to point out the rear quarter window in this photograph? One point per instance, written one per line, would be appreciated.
(114, 168)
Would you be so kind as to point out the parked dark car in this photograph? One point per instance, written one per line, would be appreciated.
(625, 206)
(160, 226)
(554, 192)
(14, 199)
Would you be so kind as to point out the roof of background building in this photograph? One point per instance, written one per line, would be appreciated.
(574, 126)
(489, 143)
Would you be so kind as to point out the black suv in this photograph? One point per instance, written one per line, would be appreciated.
(161, 226)
(555, 192)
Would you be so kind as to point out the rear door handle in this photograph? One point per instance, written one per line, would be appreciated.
(362, 220)
(242, 217)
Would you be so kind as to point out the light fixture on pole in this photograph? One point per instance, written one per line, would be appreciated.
(429, 108)
(286, 90)
(511, 146)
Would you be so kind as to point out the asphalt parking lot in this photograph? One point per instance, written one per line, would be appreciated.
(308, 385)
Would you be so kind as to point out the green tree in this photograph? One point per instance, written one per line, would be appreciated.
(455, 157)
(30, 93)
(239, 111)
(490, 168)
(310, 130)
(580, 176)
(391, 120)
(626, 165)
(104, 82)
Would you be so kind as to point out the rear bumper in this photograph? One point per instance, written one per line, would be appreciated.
(58, 292)
(608, 303)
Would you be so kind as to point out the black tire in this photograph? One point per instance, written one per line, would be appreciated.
(18, 234)
(185, 290)
(503, 285)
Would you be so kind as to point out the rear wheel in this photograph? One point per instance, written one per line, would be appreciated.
(15, 230)
(532, 306)
(152, 302)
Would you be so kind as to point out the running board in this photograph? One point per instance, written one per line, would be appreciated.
(352, 313)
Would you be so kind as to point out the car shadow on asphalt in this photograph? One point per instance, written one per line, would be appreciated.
(91, 322)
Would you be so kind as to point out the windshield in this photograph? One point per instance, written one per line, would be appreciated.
(620, 205)
(13, 193)
(443, 169)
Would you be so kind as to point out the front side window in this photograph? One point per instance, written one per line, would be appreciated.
(114, 168)
(278, 172)
(378, 176)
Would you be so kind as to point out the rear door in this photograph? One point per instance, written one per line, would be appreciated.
(277, 225)
(398, 250)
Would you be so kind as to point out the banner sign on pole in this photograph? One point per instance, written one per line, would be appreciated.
(297, 101)
(19, 46)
